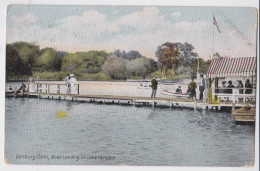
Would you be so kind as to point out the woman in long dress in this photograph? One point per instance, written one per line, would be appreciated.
(73, 86)
(31, 86)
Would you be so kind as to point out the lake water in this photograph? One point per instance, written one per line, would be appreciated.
(102, 134)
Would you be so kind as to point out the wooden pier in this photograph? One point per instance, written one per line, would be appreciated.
(44, 91)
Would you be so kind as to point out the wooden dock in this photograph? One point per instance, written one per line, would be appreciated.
(53, 91)
(131, 100)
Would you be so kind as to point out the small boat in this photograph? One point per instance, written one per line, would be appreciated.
(144, 86)
(171, 93)
(244, 115)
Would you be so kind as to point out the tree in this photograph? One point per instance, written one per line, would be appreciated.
(48, 60)
(73, 62)
(115, 67)
(94, 60)
(133, 54)
(168, 55)
(203, 66)
(14, 63)
(29, 53)
(186, 54)
(139, 67)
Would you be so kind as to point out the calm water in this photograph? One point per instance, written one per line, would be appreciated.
(124, 134)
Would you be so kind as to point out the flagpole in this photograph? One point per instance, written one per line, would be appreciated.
(213, 37)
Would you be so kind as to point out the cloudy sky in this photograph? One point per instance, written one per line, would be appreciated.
(83, 28)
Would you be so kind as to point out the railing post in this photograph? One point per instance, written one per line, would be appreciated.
(48, 88)
(78, 89)
(37, 87)
(58, 89)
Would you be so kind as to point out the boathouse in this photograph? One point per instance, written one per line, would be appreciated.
(225, 69)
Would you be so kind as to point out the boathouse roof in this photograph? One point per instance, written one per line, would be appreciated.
(232, 67)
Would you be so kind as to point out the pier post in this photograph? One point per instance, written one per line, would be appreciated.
(195, 105)
(170, 103)
(153, 103)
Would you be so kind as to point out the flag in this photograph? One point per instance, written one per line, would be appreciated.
(215, 23)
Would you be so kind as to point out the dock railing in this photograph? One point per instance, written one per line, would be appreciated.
(47, 89)
(236, 95)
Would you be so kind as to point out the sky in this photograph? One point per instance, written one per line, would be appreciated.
(141, 28)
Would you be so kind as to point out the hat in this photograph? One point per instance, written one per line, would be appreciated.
(72, 75)
(155, 77)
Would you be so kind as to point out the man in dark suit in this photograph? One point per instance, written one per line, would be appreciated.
(154, 87)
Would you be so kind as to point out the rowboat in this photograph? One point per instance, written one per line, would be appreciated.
(171, 93)
(144, 87)
(244, 115)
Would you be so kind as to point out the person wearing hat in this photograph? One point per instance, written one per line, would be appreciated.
(230, 85)
(178, 90)
(73, 82)
(67, 82)
(192, 86)
(248, 87)
(240, 85)
(223, 90)
(154, 87)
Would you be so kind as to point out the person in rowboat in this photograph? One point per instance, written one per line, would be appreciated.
(178, 90)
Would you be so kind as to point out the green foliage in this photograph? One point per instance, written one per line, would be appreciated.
(59, 76)
(115, 67)
(48, 60)
(203, 66)
(94, 60)
(14, 63)
(133, 54)
(73, 62)
(29, 53)
(139, 67)
(156, 73)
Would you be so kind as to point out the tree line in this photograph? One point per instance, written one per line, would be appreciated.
(25, 59)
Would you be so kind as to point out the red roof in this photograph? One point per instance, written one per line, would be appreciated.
(232, 67)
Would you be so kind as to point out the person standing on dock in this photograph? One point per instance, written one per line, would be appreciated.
(73, 82)
(31, 85)
(202, 86)
(67, 82)
(192, 87)
(230, 85)
(248, 87)
(154, 87)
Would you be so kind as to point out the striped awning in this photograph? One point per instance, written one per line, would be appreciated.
(232, 67)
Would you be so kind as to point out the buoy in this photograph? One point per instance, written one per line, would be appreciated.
(62, 114)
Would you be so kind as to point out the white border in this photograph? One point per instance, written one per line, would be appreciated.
(219, 3)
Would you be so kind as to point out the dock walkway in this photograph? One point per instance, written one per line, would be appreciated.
(128, 100)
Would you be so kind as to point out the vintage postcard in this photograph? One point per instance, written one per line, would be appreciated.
(130, 85)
